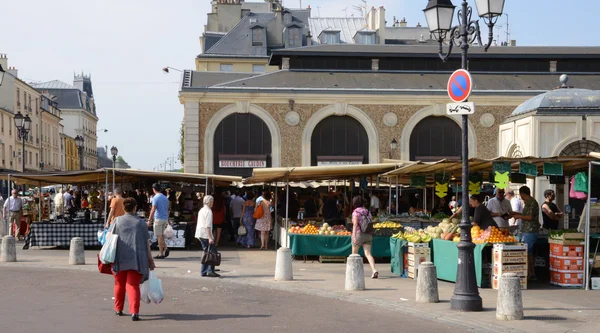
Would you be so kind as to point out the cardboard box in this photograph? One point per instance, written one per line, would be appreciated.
(496, 282)
(566, 263)
(417, 245)
(595, 283)
(571, 235)
(566, 242)
(416, 260)
(411, 275)
(510, 247)
(565, 278)
(566, 250)
(419, 250)
(511, 260)
(520, 270)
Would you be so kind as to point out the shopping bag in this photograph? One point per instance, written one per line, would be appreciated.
(104, 268)
(103, 233)
(581, 182)
(109, 249)
(155, 291)
(259, 212)
(144, 297)
(211, 258)
(242, 231)
(575, 194)
(169, 233)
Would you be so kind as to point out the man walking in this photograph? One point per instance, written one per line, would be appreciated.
(236, 211)
(160, 214)
(13, 208)
(116, 207)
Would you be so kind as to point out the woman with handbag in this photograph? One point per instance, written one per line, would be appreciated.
(263, 215)
(204, 233)
(362, 232)
(248, 222)
(133, 259)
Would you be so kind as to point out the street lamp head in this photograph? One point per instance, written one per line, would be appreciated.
(19, 120)
(114, 151)
(27, 124)
(79, 141)
(166, 70)
(394, 144)
(439, 14)
(489, 9)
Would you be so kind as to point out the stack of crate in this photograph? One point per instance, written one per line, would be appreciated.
(566, 260)
(417, 253)
(509, 258)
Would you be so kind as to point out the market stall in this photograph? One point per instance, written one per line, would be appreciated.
(592, 233)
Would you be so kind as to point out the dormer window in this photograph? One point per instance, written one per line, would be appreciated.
(329, 37)
(293, 35)
(258, 35)
(365, 37)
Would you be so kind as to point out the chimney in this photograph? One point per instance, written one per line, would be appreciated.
(13, 71)
(4, 61)
(308, 39)
(418, 24)
(403, 22)
(513, 42)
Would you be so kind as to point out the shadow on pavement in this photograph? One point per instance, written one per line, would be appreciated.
(184, 317)
(246, 276)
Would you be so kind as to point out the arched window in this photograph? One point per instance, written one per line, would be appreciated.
(435, 138)
(580, 148)
(341, 137)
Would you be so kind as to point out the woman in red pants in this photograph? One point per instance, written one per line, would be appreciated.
(133, 260)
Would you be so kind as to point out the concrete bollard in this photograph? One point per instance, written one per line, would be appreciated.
(9, 250)
(510, 302)
(355, 274)
(427, 287)
(283, 265)
(76, 252)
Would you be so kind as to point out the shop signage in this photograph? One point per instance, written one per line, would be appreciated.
(242, 164)
(460, 85)
(460, 108)
(441, 185)
(328, 163)
(553, 169)
(418, 181)
(501, 171)
(528, 169)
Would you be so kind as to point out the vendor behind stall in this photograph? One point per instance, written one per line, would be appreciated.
(482, 217)
(442, 207)
(551, 214)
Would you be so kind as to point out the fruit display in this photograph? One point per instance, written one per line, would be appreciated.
(491, 235)
(413, 237)
(324, 230)
(387, 225)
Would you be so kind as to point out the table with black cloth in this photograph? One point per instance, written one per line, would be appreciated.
(335, 246)
(60, 234)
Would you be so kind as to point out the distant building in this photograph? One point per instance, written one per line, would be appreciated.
(51, 135)
(71, 154)
(78, 111)
(103, 160)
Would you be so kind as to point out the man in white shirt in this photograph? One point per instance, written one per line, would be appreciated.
(13, 206)
(374, 204)
(500, 208)
(204, 233)
(517, 207)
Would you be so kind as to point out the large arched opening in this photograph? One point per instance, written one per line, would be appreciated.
(339, 140)
(435, 138)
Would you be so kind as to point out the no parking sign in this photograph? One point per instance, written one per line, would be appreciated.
(460, 85)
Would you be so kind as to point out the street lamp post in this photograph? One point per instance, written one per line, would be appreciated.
(439, 14)
(23, 125)
(393, 146)
(79, 141)
(114, 152)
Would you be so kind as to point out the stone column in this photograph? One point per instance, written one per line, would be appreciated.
(355, 274)
(191, 127)
(509, 305)
(76, 252)
(427, 287)
(8, 250)
(283, 265)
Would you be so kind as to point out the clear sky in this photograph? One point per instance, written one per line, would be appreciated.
(124, 44)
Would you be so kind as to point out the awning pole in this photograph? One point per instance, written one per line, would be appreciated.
(425, 198)
(276, 212)
(113, 177)
(397, 195)
(586, 258)
(7, 218)
(41, 205)
(287, 206)
(106, 198)
(390, 199)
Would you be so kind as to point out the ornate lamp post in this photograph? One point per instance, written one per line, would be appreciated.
(439, 15)
(393, 146)
(23, 125)
(114, 152)
(79, 142)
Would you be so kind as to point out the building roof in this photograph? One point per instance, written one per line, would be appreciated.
(407, 33)
(67, 98)
(54, 84)
(347, 26)
(562, 100)
(236, 42)
(381, 82)
(206, 79)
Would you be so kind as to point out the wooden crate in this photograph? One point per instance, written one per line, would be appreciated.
(566, 242)
(566, 263)
(332, 259)
(566, 250)
(419, 250)
(496, 282)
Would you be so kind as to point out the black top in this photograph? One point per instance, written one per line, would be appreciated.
(548, 222)
(483, 217)
(442, 209)
(310, 208)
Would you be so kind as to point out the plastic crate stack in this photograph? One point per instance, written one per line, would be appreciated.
(509, 258)
(417, 254)
(566, 260)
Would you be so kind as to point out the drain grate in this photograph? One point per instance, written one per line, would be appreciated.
(554, 319)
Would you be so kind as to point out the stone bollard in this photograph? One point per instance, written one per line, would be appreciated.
(510, 302)
(76, 252)
(427, 287)
(283, 265)
(9, 250)
(355, 274)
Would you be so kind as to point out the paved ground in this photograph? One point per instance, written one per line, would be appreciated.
(65, 301)
(547, 308)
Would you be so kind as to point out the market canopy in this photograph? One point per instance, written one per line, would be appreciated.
(120, 175)
(316, 173)
(453, 168)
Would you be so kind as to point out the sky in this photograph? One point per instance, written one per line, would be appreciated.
(124, 44)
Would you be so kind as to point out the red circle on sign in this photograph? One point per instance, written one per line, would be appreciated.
(459, 85)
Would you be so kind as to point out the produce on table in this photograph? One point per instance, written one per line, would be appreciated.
(413, 237)
(558, 234)
(439, 216)
(387, 224)
(491, 235)
(325, 230)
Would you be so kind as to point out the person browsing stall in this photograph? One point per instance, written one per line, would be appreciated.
(529, 227)
(551, 214)
(500, 208)
(204, 233)
(482, 216)
(160, 214)
(516, 206)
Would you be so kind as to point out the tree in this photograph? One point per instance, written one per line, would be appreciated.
(181, 143)
(121, 160)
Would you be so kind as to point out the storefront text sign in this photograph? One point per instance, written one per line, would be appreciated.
(326, 163)
(242, 164)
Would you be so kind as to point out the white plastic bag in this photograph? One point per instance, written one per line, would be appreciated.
(242, 231)
(155, 291)
(169, 233)
(109, 249)
(144, 292)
